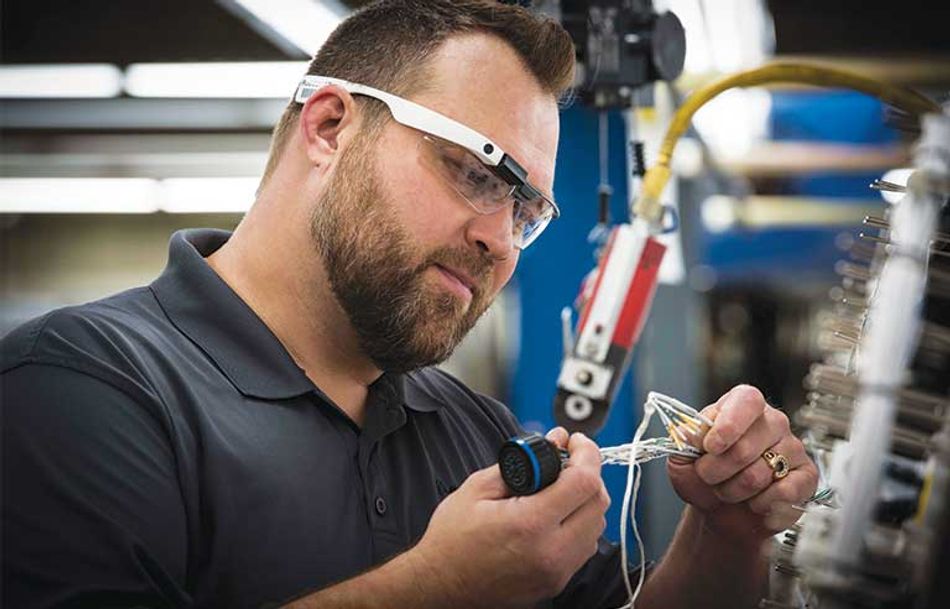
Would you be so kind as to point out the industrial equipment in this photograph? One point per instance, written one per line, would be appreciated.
(877, 417)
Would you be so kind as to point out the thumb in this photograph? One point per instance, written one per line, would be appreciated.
(688, 485)
(486, 484)
(559, 437)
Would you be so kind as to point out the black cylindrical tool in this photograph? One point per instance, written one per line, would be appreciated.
(529, 463)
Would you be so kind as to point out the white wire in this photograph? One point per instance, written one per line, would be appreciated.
(646, 450)
(634, 473)
(634, 455)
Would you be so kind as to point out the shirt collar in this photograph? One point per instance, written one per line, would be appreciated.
(203, 307)
(396, 385)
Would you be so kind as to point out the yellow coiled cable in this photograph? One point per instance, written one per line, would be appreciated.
(648, 206)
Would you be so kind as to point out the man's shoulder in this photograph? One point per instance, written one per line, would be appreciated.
(102, 336)
(453, 396)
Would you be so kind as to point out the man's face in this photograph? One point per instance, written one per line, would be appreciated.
(412, 265)
(379, 275)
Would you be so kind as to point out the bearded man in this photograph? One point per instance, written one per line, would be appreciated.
(263, 425)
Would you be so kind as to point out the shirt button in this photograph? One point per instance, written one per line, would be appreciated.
(380, 506)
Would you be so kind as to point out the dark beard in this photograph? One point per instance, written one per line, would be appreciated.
(402, 324)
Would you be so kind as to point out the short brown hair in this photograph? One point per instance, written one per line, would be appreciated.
(387, 43)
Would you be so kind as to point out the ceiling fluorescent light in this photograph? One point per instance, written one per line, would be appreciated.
(60, 80)
(306, 24)
(252, 79)
(208, 195)
(78, 195)
(126, 195)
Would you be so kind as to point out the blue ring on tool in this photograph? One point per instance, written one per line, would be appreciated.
(535, 464)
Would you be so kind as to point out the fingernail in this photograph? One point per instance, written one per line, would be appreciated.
(714, 443)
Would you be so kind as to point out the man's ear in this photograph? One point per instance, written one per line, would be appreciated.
(327, 121)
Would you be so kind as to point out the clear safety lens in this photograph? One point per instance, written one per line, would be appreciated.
(487, 193)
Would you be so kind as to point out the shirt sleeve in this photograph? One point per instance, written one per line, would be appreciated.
(92, 510)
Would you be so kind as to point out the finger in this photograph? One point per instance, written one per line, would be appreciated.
(795, 488)
(583, 451)
(759, 475)
(737, 411)
(764, 433)
(598, 503)
(559, 437)
(709, 412)
(690, 487)
(575, 485)
(585, 525)
(486, 484)
(712, 411)
(573, 488)
(782, 517)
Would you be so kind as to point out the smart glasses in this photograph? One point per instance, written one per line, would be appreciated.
(474, 166)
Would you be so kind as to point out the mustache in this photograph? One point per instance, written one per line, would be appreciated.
(478, 267)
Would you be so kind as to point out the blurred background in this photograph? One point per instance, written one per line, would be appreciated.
(125, 121)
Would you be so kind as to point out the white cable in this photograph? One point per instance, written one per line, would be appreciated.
(634, 472)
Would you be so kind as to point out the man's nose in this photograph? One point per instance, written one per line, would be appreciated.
(492, 233)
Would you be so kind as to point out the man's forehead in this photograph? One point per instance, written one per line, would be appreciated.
(480, 81)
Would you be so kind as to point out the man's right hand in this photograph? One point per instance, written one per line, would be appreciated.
(484, 548)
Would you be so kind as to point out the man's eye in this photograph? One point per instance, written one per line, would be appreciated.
(477, 178)
(451, 164)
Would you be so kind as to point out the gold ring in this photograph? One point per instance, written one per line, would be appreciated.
(777, 462)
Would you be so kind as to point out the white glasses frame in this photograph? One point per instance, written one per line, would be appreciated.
(429, 121)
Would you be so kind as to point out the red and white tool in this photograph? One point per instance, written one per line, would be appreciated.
(616, 302)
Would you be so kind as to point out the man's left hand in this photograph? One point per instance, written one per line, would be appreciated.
(733, 485)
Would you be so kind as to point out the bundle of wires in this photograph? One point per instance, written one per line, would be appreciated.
(686, 427)
(680, 421)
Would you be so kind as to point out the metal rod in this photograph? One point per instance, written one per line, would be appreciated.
(887, 186)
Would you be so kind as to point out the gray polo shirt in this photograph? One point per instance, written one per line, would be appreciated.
(161, 448)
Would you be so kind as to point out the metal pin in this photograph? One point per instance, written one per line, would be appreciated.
(876, 222)
(689, 423)
(887, 242)
(828, 378)
(840, 294)
(851, 325)
(670, 427)
(884, 224)
(906, 442)
(854, 303)
(847, 333)
(874, 238)
(855, 278)
(880, 184)
(846, 337)
(854, 271)
(935, 337)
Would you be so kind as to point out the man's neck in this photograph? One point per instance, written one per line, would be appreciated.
(282, 281)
